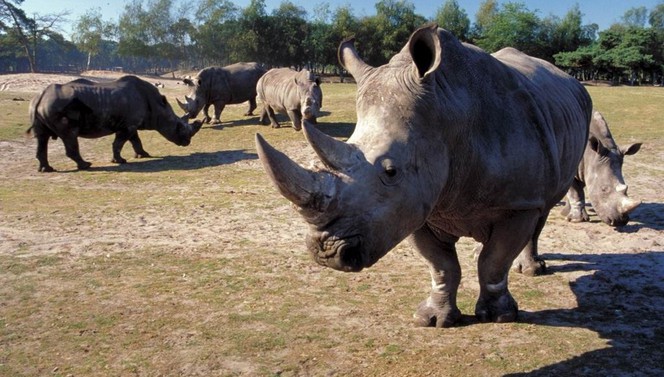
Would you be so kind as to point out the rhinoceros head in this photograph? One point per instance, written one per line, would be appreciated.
(373, 191)
(603, 161)
(195, 101)
(310, 94)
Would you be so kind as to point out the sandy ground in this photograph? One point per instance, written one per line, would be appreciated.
(625, 264)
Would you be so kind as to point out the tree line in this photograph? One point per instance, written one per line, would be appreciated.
(157, 36)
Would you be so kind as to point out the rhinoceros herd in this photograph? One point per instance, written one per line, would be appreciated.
(450, 142)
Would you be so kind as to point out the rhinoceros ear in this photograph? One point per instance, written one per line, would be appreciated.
(630, 149)
(350, 60)
(425, 49)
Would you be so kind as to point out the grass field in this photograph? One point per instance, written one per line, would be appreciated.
(191, 264)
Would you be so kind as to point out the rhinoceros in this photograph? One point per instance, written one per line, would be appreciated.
(600, 171)
(83, 108)
(221, 86)
(286, 91)
(450, 142)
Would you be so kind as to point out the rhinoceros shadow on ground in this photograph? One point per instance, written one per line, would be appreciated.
(647, 215)
(198, 160)
(248, 121)
(621, 298)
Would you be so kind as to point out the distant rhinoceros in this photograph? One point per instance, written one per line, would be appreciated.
(221, 86)
(450, 142)
(289, 92)
(600, 171)
(82, 108)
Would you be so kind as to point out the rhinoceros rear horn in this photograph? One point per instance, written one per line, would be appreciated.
(294, 182)
(351, 61)
(333, 153)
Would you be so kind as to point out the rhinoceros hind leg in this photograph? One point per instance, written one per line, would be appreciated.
(252, 107)
(42, 154)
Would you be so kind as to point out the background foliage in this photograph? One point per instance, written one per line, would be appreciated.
(165, 35)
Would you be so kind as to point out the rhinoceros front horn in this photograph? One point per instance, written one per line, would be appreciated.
(629, 205)
(296, 183)
(182, 105)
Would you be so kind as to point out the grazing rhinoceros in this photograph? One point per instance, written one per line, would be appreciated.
(82, 108)
(600, 171)
(450, 142)
(286, 91)
(221, 86)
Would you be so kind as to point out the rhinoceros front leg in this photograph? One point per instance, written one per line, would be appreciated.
(121, 138)
(269, 111)
(218, 108)
(72, 150)
(296, 117)
(206, 113)
(575, 208)
(440, 308)
(528, 262)
(138, 146)
(507, 240)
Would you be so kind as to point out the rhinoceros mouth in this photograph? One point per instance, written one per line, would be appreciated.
(344, 254)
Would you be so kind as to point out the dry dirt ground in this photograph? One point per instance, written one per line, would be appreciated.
(616, 276)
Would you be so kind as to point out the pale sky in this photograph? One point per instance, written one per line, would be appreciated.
(602, 12)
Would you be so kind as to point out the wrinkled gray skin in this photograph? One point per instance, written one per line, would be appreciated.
(600, 171)
(82, 108)
(221, 86)
(289, 92)
(450, 142)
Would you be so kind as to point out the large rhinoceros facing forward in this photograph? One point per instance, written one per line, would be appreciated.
(450, 142)
(221, 86)
(82, 108)
(286, 91)
(600, 171)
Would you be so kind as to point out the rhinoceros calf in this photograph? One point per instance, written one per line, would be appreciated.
(286, 91)
(450, 142)
(221, 86)
(82, 108)
(600, 171)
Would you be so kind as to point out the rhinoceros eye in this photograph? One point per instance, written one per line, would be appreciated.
(390, 174)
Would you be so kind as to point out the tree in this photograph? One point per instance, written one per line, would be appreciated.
(451, 17)
(28, 32)
(512, 26)
(395, 20)
(635, 17)
(288, 30)
(89, 32)
(483, 18)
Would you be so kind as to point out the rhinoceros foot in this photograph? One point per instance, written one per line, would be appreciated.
(84, 165)
(534, 267)
(429, 315)
(119, 160)
(142, 155)
(498, 309)
(46, 169)
(578, 216)
(215, 121)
